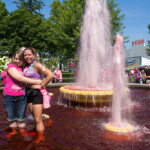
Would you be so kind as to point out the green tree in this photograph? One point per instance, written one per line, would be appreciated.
(65, 20)
(3, 14)
(3, 10)
(116, 20)
(33, 6)
(23, 28)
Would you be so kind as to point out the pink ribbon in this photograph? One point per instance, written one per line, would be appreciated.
(46, 98)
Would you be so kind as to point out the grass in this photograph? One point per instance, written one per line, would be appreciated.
(68, 77)
(66, 73)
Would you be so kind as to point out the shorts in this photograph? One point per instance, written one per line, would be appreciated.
(15, 107)
(36, 98)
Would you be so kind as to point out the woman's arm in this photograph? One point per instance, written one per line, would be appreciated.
(14, 73)
(147, 76)
(144, 75)
(41, 69)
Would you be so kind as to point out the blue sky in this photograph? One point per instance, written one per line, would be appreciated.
(137, 17)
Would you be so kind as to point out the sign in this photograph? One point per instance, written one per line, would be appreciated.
(132, 62)
(138, 42)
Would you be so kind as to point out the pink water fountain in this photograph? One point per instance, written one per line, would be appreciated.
(120, 91)
(101, 73)
(94, 73)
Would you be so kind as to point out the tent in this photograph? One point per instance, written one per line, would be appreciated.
(132, 62)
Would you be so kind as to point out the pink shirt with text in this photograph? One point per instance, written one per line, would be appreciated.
(12, 86)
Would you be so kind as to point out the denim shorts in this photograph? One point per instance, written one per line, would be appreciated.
(15, 107)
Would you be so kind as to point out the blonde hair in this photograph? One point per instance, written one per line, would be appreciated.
(20, 54)
(22, 48)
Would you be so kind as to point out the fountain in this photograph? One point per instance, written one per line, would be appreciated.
(101, 71)
(80, 129)
(94, 81)
(119, 92)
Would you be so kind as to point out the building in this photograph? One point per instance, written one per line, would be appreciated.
(137, 56)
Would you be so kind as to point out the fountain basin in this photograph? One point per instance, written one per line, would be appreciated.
(82, 128)
(123, 128)
(85, 95)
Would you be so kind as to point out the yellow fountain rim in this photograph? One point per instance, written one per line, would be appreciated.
(126, 129)
(84, 92)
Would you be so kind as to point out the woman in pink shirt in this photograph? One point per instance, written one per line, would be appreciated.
(14, 100)
(58, 75)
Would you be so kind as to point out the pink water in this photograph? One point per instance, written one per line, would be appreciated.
(81, 129)
(95, 51)
(120, 93)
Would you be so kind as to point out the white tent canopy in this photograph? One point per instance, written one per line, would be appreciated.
(145, 62)
(132, 62)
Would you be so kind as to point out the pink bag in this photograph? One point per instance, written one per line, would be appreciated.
(46, 98)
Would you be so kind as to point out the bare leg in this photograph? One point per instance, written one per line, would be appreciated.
(13, 126)
(30, 107)
(37, 112)
(21, 126)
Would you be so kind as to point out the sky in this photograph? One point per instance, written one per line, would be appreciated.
(137, 19)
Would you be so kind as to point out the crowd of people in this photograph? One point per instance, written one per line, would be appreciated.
(138, 76)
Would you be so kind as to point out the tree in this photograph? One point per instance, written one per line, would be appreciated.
(56, 36)
(65, 21)
(148, 47)
(3, 10)
(23, 28)
(3, 14)
(116, 20)
(33, 6)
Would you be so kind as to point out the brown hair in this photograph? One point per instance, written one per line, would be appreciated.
(20, 55)
(32, 50)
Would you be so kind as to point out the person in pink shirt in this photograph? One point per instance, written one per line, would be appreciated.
(58, 75)
(14, 100)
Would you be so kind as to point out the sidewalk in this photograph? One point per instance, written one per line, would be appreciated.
(58, 85)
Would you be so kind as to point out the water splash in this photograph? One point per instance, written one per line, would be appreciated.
(119, 91)
(95, 51)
